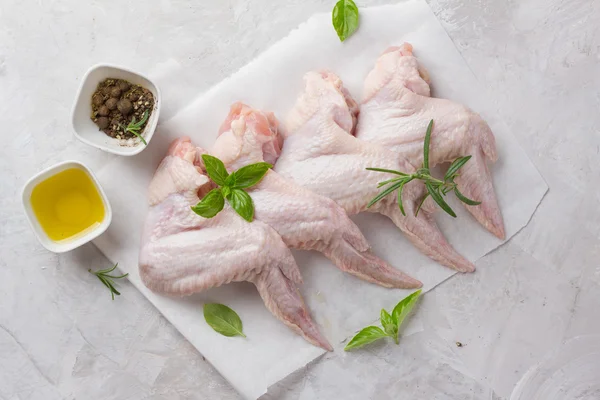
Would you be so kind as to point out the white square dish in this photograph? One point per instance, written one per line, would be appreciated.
(78, 239)
(87, 131)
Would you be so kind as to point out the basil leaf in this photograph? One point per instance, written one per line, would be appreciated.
(465, 199)
(386, 318)
(403, 308)
(437, 197)
(249, 175)
(226, 190)
(230, 181)
(215, 169)
(455, 166)
(210, 205)
(388, 324)
(426, 145)
(242, 204)
(365, 336)
(345, 18)
(223, 320)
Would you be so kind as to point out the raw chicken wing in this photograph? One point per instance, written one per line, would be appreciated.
(320, 154)
(395, 112)
(305, 220)
(183, 253)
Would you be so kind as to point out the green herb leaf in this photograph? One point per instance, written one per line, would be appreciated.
(465, 199)
(391, 171)
(223, 320)
(455, 166)
(117, 277)
(421, 204)
(249, 175)
(388, 324)
(437, 197)
(365, 336)
(144, 118)
(404, 307)
(230, 181)
(136, 133)
(135, 127)
(242, 204)
(400, 195)
(103, 282)
(385, 192)
(112, 288)
(138, 125)
(436, 188)
(231, 188)
(226, 190)
(426, 145)
(107, 270)
(210, 205)
(388, 181)
(107, 280)
(386, 318)
(345, 18)
(215, 169)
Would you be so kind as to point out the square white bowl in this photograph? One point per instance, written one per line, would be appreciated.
(87, 131)
(78, 239)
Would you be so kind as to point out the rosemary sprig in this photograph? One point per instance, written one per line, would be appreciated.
(436, 188)
(136, 127)
(107, 279)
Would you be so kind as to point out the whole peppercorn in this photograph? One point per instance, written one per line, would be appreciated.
(97, 99)
(123, 85)
(115, 92)
(111, 103)
(103, 111)
(102, 122)
(125, 106)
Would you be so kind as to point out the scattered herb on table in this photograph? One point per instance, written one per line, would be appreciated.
(231, 187)
(223, 320)
(107, 279)
(436, 188)
(345, 18)
(390, 323)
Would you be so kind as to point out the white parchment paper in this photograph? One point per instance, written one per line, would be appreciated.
(340, 304)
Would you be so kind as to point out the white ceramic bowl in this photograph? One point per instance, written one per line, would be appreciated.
(87, 131)
(74, 241)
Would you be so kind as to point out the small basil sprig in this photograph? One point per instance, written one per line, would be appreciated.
(390, 323)
(345, 18)
(436, 188)
(223, 320)
(231, 188)
(107, 279)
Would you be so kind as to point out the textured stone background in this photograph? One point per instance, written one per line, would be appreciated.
(61, 337)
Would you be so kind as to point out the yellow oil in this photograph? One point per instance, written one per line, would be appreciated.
(67, 203)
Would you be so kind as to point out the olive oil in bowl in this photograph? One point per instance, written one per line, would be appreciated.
(67, 203)
(66, 206)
